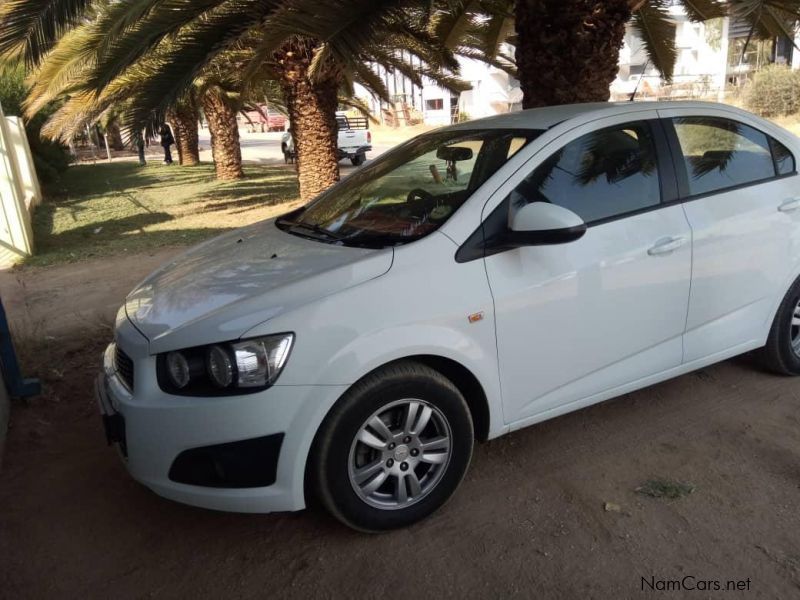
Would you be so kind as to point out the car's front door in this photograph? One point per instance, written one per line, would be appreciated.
(577, 320)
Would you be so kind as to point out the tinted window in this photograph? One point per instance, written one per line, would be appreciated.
(603, 174)
(720, 153)
(409, 192)
(784, 159)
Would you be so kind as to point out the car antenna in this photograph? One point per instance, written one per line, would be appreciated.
(636, 89)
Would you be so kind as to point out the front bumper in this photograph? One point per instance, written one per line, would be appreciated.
(352, 151)
(155, 430)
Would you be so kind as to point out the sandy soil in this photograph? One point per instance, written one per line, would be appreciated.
(530, 520)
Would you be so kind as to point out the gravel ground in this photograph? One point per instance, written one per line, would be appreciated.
(549, 511)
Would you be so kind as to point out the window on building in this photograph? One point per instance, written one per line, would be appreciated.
(434, 104)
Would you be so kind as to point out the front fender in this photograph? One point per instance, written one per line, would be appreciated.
(412, 310)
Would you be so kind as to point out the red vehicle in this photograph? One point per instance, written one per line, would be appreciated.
(255, 120)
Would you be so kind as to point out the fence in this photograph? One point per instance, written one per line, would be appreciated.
(19, 190)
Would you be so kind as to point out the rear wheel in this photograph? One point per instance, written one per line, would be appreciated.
(394, 448)
(358, 160)
(782, 351)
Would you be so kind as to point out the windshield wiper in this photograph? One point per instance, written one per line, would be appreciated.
(312, 227)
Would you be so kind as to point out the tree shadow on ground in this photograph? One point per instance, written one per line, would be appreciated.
(107, 208)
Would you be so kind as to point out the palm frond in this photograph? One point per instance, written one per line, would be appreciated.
(31, 27)
(657, 31)
(368, 78)
(201, 29)
(703, 10)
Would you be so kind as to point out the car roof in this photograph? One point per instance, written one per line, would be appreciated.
(548, 116)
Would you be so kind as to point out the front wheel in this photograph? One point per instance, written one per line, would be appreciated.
(394, 448)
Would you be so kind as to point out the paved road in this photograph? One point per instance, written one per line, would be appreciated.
(265, 148)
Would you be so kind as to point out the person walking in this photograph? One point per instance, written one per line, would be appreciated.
(166, 141)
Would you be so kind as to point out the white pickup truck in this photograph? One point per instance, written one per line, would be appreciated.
(353, 140)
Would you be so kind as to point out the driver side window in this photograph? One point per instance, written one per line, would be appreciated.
(599, 176)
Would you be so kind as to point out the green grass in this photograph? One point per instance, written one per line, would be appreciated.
(123, 208)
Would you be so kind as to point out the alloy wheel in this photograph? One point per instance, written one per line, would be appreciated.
(400, 454)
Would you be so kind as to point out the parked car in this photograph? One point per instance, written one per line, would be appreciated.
(353, 140)
(472, 281)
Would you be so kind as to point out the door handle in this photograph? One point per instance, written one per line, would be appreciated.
(789, 205)
(666, 245)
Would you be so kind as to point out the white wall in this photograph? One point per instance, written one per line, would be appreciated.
(26, 170)
(17, 199)
(491, 93)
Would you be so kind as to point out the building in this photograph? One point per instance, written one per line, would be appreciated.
(710, 64)
(493, 92)
(711, 60)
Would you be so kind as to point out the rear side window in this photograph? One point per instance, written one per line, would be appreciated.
(601, 175)
(720, 153)
(784, 159)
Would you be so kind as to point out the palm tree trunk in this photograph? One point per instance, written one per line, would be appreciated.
(224, 132)
(114, 136)
(184, 125)
(312, 117)
(567, 50)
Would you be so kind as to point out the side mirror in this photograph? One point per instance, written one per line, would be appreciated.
(454, 153)
(542, 223)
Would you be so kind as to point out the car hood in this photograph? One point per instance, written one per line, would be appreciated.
(220, 289)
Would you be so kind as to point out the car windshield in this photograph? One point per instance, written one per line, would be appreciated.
(409, 192)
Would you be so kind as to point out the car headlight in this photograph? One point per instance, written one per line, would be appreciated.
(236, 367)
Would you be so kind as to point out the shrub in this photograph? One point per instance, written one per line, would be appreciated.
(774, 92)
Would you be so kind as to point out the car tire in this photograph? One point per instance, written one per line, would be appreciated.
(781, 353)
(358, 160)
(344, 469)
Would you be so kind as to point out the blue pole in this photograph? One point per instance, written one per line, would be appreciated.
(18, 386)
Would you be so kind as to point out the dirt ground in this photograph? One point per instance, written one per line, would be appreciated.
(530, 519)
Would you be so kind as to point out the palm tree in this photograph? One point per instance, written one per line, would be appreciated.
(184, 118)
(567, 51)
(220, 107)
(314, 49)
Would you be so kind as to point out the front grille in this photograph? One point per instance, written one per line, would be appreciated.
(124, 367)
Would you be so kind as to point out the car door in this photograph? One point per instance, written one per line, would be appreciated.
(583, 319)
(741, 198)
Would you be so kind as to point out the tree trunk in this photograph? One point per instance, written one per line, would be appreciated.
(567, 50)
(224, 132)
(312, 117)
(184, 126)
(114, 136)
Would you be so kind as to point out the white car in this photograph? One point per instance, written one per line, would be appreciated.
(353, 140)
(474, 280)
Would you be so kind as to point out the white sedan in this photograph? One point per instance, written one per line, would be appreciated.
(474, 280)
